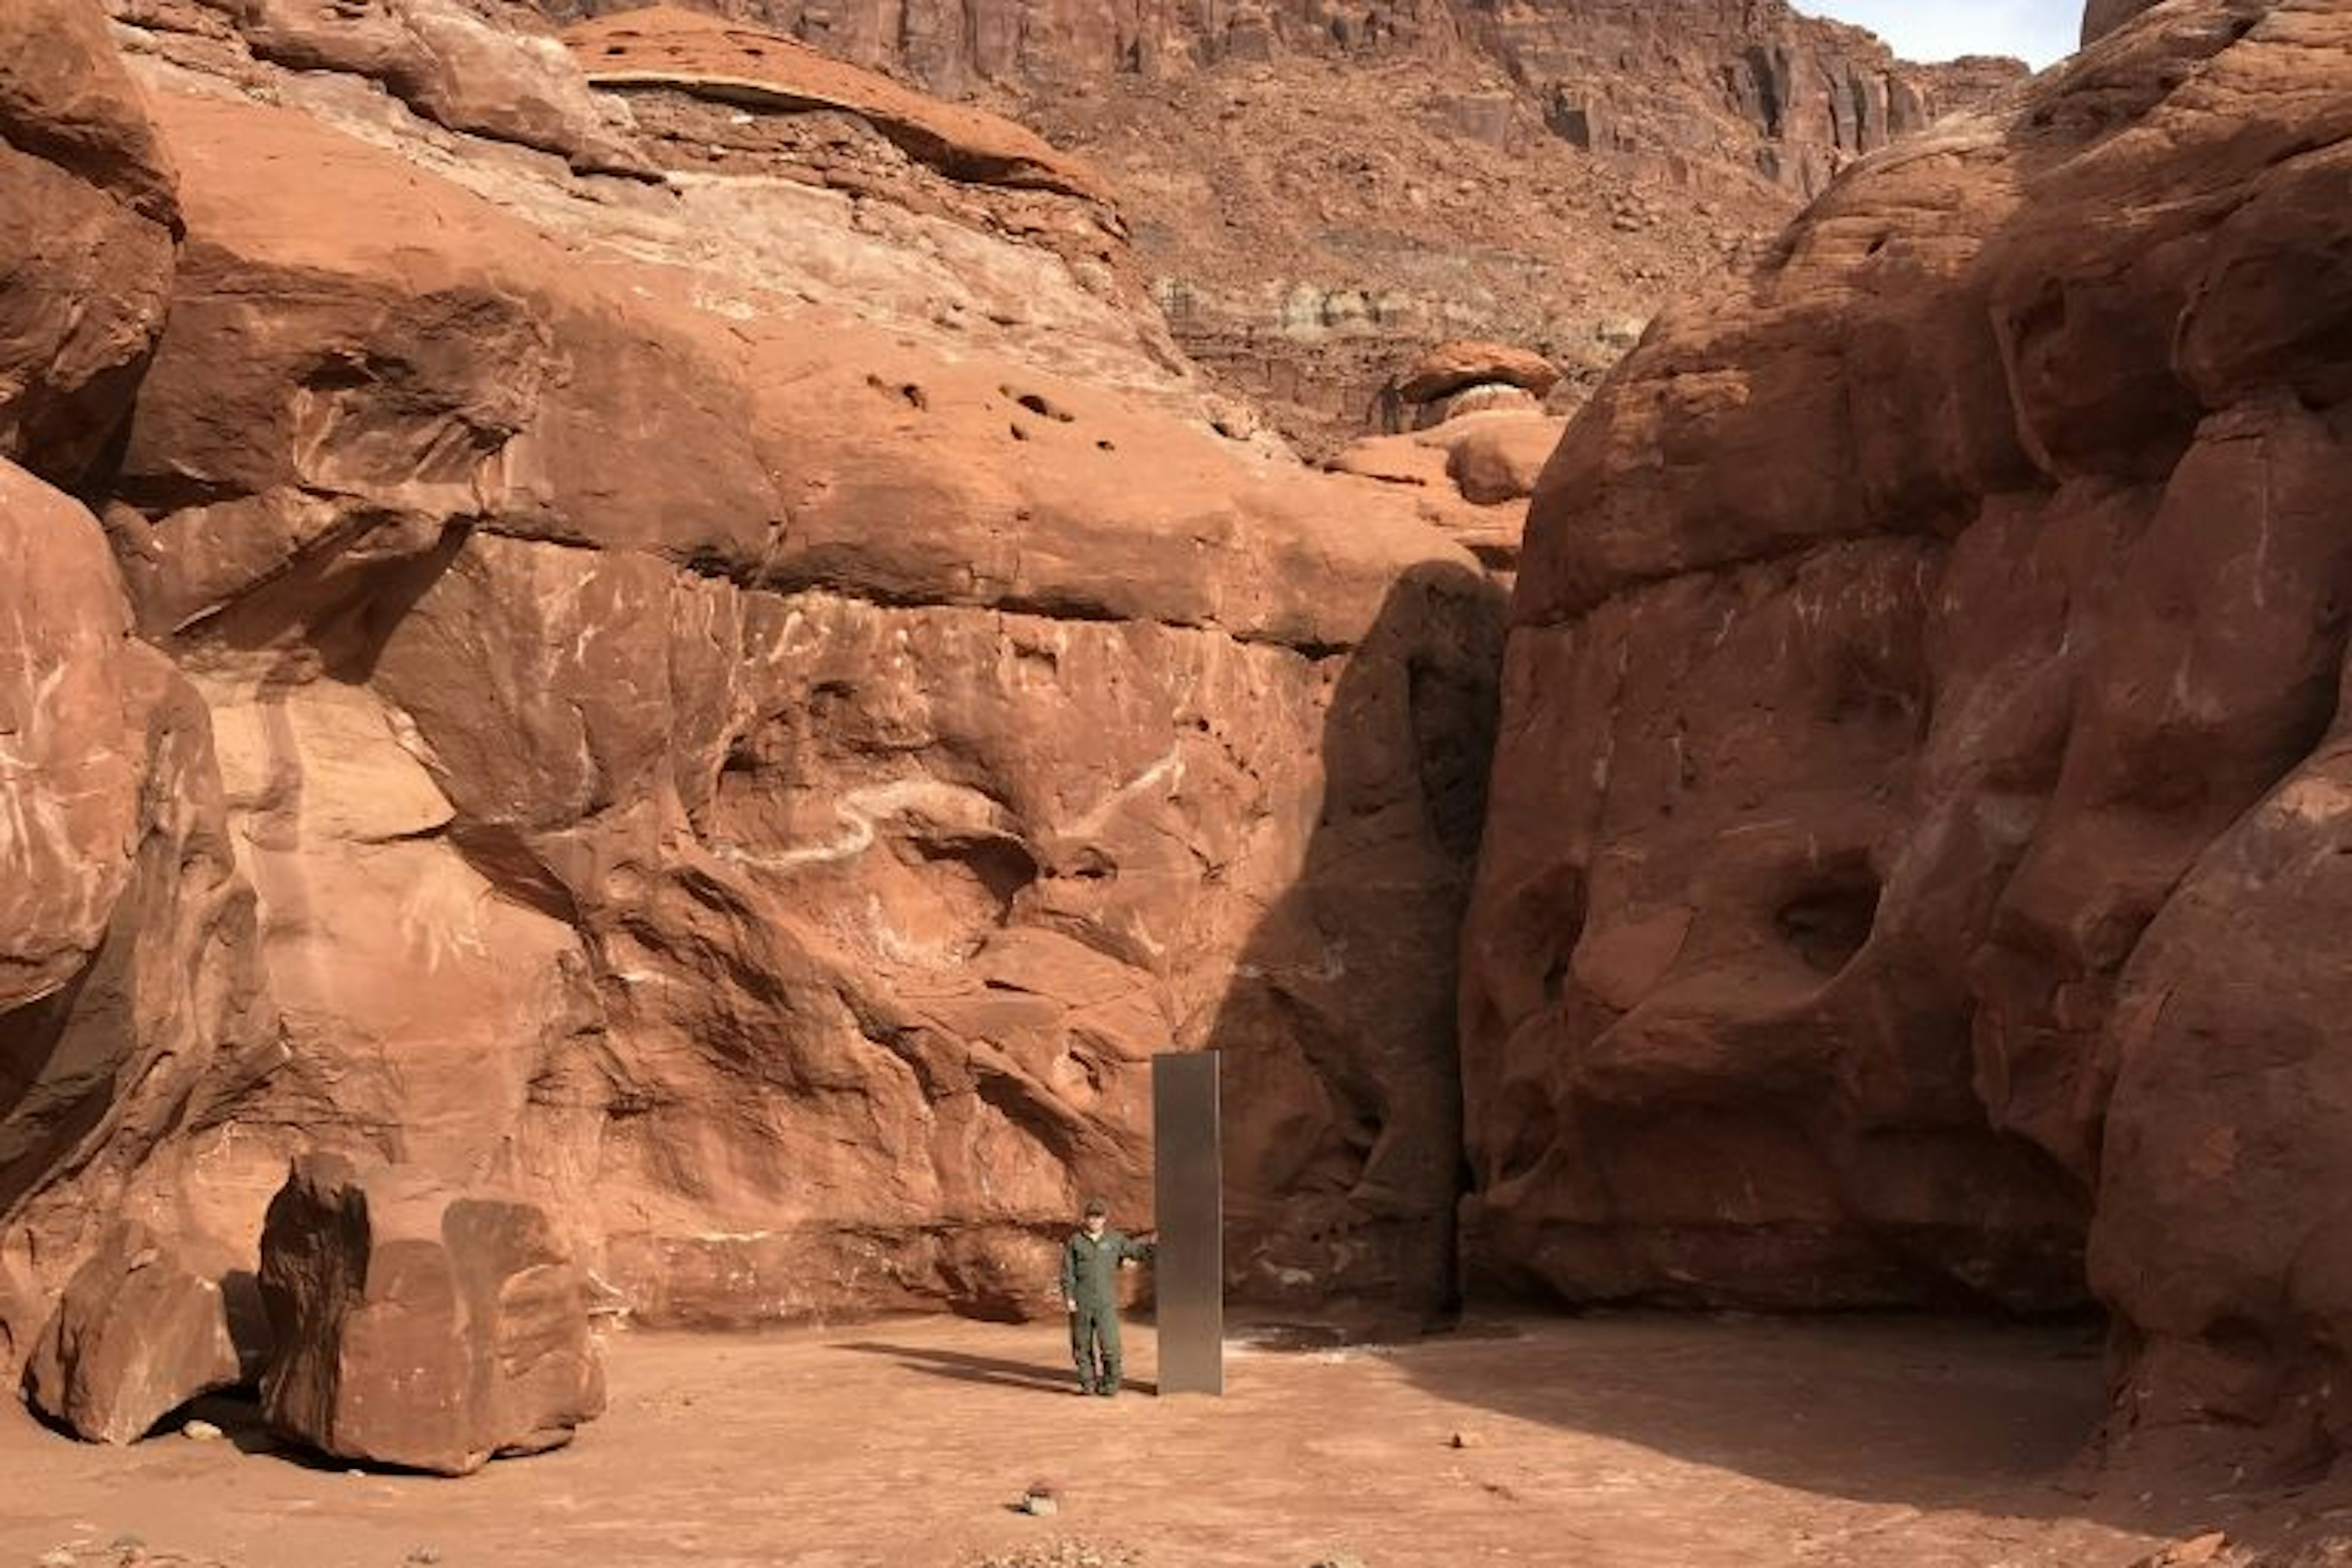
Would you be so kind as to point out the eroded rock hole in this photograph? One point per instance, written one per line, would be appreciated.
(907, 392)
(1091, 865)
(1001, 868)
(1831, 917)
(1039, 406)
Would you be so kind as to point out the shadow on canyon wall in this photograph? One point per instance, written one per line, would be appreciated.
(1341, 1082)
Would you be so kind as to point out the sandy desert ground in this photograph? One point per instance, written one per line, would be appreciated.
(1609, 1442)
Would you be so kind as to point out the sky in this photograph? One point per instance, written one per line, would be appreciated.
(2039, 31)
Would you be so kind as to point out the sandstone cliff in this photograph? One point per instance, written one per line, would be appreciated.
(1319, 193)
(1317, 205)
(1918, 842)
(1750, 84)
(668, 633)
(689, 654)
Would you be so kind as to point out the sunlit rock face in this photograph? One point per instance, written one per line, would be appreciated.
(738, 713)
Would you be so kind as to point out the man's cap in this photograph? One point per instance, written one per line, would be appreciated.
(1095, 1206)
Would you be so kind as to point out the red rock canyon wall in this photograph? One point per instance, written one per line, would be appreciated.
(1918, 849)
(743, 713)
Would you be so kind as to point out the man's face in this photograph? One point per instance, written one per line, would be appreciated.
(1095, 1223)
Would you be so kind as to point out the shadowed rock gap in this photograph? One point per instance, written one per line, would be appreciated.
(1343, 1141)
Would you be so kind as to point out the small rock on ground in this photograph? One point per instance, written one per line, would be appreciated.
(1063, 1554)
(2207, 1551)
(125, 1551)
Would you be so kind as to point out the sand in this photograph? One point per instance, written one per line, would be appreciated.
(1608, 1442)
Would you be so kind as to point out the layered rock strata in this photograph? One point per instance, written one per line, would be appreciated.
(1318, 194)
(1671, 86)
(86, 238)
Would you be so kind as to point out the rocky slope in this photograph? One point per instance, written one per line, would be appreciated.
(1320, 193)
(1919, 841)
(683, 651)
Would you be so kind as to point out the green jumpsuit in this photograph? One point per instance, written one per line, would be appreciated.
(1090, 1282)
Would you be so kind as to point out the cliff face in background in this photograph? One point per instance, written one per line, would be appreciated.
(1920, 849)
(1317, 193)
(593, 661)
(1675, 87)
(1751, 83)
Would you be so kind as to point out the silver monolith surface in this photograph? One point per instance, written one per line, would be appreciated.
(1189, 1205)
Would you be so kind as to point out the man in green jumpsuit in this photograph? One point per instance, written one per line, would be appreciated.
(1090, 1263)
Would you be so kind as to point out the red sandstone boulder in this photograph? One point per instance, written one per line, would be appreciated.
(2101, 18)
(1498, 459)
(668, 46)
(144, 1326)
(1453, 367)
(419, 1330)
(128, 1000)
(495, 71)
(1470, 477)
(87, 227)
